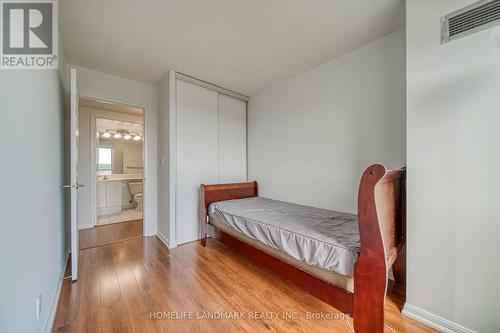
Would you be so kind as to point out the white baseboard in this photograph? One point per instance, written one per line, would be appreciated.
(165, 241)
(444, 325)
(49, 322)
(85, 226)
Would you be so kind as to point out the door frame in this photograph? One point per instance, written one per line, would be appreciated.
(147, 186)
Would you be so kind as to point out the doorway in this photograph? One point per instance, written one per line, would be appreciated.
(111, 160)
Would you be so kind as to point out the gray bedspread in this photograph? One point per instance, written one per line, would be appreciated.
(320, 237)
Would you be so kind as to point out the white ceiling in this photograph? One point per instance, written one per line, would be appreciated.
(242, 45)
(108, 106)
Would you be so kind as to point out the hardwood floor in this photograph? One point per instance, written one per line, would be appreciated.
(110, 233)
(124, 285)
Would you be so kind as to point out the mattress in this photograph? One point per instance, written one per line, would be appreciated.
(323, 238)
(332, 277)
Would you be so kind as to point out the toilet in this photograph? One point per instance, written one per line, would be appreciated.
(135, 189)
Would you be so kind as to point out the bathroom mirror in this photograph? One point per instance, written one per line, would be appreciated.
(119, 157)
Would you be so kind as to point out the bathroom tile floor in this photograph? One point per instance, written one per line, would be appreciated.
(125, 215)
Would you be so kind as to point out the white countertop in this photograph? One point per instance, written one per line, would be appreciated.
(119, 177)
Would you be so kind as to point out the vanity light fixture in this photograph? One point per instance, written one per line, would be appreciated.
(120, 135)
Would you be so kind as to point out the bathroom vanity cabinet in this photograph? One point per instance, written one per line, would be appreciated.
(109, 197)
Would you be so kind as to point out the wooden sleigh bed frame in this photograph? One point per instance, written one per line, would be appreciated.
(381, 218)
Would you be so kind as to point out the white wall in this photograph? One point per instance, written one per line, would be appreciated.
(131, 156)
(166, 166)
(453, 163)
(107, 87)
(32, 240)
(311, 137)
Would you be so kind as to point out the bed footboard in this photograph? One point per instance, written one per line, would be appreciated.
(381, 218)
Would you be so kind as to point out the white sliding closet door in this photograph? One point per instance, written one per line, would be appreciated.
(232, 139)
(196, 154)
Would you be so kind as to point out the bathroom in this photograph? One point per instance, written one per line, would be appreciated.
(119, 157)
(110, 164)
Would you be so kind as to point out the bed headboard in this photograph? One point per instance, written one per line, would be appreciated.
(221, 192)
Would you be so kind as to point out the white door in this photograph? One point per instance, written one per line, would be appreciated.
(232, 140)
(74, 186)
(196, 154)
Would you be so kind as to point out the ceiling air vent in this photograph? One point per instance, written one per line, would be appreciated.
(478, 16)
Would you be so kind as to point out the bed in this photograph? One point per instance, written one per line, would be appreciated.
(341, 258)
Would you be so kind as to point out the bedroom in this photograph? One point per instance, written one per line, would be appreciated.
(307, 166)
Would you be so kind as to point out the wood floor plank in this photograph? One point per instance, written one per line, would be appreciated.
(90, 300)
(112, 315)
(258, 289)
(134, 285)
(131, 293)
(110, 233)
